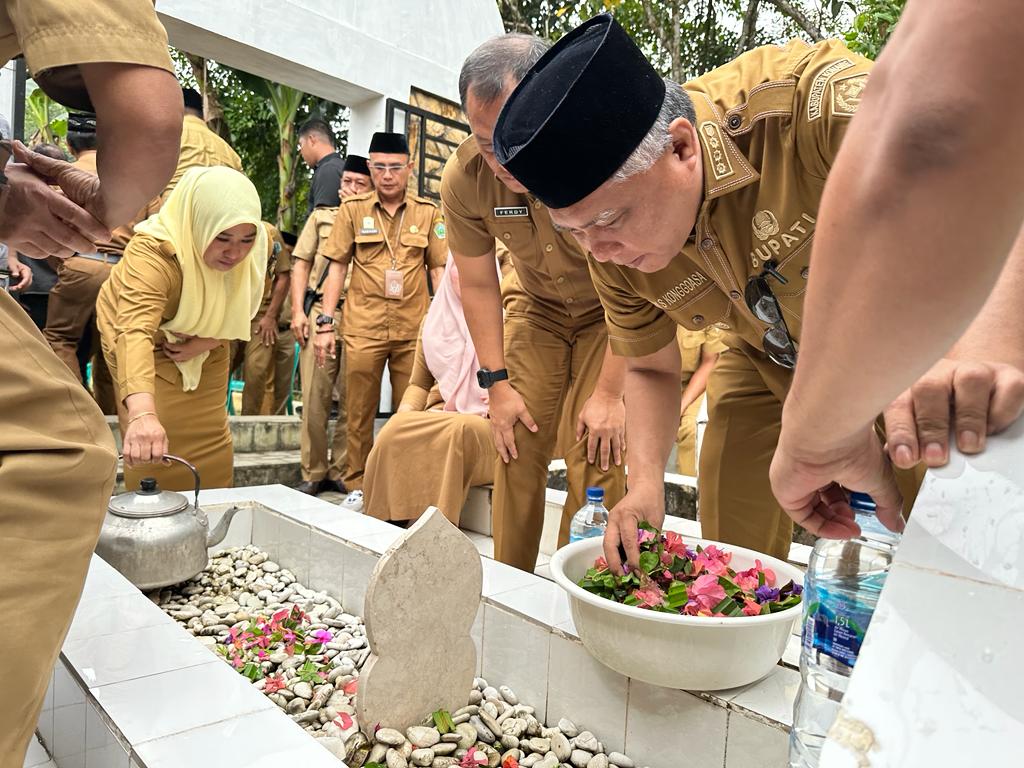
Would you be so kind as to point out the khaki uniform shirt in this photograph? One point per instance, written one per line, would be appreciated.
(422, 393)
(551, 268)
(279, 262)
(200, 147)
(57, 35)
(770, 124)
(417, 238)
(312, 242)
(142, 292)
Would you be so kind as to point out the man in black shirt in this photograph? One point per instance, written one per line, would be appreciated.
(316, 145)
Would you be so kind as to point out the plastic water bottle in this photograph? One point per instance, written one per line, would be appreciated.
(841, 589)
(592, 519)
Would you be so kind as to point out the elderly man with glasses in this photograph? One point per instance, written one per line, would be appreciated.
(389, 238)
(698, 205)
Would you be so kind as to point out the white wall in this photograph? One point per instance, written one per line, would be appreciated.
(354, 52)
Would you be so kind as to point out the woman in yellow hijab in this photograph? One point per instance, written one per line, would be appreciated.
(190, 281)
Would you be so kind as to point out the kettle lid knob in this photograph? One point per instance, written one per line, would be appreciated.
(148, 485)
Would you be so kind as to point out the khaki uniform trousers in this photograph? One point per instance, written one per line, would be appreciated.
(318, 386)
(686, 437)
(737, 506)
(364, 369)
(267, 372)
(427, 459)
(57, 466)
(554, 371)
(68, 316)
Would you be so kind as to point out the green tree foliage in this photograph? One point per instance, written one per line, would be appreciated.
(45, 120)
(873, 25)
(686, 38)
(258, 118)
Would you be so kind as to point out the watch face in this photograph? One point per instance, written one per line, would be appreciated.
(483, 379)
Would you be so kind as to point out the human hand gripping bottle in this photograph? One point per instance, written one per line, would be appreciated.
(592, 518)
(843, 581)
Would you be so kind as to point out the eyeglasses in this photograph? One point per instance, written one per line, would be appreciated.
(777, 342)
(382, 168)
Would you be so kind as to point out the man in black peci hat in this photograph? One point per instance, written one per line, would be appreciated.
(547, 366)
(389, 238)
(323, 465)
(698, 205)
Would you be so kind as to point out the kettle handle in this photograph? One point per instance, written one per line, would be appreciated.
(195, 473)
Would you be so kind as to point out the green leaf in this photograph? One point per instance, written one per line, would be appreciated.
(730, 588)
(649, 562)
(443, 721)
(723, 606)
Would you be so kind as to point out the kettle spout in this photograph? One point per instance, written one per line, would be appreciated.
(216, 536)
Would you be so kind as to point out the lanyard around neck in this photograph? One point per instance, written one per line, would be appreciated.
(384, 232)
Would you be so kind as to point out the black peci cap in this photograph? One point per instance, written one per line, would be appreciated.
(289, 238)
(81, 122)
(357, 164)
(390, 143)
(590, 100)
(193, 99)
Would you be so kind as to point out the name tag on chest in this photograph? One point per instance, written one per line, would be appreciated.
(511, 211)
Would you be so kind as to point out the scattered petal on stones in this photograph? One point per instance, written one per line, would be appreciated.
(242, 583)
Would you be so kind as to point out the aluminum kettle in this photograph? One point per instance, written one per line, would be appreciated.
(157, 538)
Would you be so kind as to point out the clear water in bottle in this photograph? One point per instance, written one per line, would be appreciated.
(592, 518)
(841, 589)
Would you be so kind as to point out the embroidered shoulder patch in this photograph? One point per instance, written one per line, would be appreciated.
(721, 165)
(846, 94)
(440, 231)
(817, 93)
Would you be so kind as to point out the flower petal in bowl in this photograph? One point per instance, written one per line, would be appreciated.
(696, 653)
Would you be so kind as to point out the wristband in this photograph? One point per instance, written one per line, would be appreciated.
(325, 330)
(133, 419)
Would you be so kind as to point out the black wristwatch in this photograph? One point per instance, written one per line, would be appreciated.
(323, 319)
(487, 379)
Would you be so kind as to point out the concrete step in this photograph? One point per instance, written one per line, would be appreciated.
(254, 468)
(252, 434)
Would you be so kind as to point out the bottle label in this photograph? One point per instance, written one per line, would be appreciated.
(835, 625)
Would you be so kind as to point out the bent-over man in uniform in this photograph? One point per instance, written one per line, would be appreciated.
(57, 456)
(269, 354)
(698, 205)
(322, 471)
(200, 147)
(549, 362)
(390, 238)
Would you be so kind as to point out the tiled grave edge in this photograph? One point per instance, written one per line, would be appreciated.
(524, 635)
(99, 695)
(526, 640)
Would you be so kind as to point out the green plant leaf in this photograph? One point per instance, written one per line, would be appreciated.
(649, 562)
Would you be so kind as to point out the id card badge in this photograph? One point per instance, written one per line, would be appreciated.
(393, 284)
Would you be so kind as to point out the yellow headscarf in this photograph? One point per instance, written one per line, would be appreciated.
(214, 304)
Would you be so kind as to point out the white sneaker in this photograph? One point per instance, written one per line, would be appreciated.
(354, 501)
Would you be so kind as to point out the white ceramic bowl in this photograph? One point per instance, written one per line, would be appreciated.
(696, 653)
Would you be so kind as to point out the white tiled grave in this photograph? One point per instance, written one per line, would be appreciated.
(134, 690)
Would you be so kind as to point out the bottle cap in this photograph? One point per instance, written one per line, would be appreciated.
(861, 502)
(595, 493)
